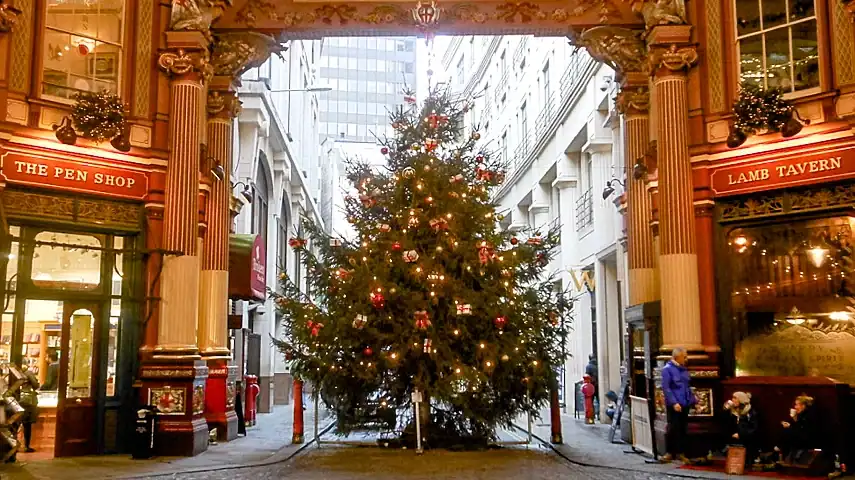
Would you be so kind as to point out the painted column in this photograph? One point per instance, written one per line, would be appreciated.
(222, 107)
(634, 102)
(706, 264)
(179, 285)
(678, 262)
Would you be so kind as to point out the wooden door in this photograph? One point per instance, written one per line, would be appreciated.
(77, 411)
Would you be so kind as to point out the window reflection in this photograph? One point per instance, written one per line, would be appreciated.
(113, 346)
(65, 262)
(80, 354)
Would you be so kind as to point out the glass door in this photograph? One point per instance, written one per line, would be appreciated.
(79, 366)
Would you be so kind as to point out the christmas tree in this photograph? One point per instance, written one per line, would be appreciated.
(431, 296)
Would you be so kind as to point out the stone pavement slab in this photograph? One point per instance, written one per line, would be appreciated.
(268, 441)
(589, 445)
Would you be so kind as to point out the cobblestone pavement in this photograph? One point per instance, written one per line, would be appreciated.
(353, 463)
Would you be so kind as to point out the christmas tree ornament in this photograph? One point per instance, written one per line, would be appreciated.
(360, 321)
(316, 329)
(534, 241)
(553, 318)
(514, 241)
(410, 256)
(500, 322)
(385, 227)
(505, 357)
(416, 148)
(409, 172)
(297, 242)
(384, 150)
(411, 99)
(413, 221)
(422, 320)
(396, 246)
(427, 346)
(367, 351)
(464, 309)
(435, 120)
(368, 201)
(456, 179)
(476, 136)
(485, 254)
(83, 49)
(335, 242)
(98, 116)
(479, 158)
(342, 273)
(377, 299)
(438, 224)
(430, 144)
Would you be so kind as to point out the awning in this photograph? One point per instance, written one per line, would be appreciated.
(247, 267)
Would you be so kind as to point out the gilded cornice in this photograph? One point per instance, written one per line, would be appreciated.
(182, 62)
(8, 17)
(223, 104)
(196, 15)
(621, 49)
(235, 53)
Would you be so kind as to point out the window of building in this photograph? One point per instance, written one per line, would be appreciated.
(778, 47)
(259, 202)
(409, 67)
(399, 46)
(82, 47)
(409, 46)
(503, 63)
(504, 145)
(589, 171)
(282, 234)
(523, 120)
(472, 50)
(460, 72)
(546, 87)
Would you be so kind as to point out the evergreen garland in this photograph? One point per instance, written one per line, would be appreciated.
(98, 116)
(758, 108)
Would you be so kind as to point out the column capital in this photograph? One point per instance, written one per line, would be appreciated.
(633, 100)
(622, 49)
(670, 49)
(222, 104)
(236, 52)
(181, 62)
(8, 17)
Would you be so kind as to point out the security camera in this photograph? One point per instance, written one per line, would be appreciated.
(606, 84)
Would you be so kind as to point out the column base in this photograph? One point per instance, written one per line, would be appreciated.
(177, 389)
(220, 392)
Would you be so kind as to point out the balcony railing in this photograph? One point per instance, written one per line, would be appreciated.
(545, 117)
(523, 148)
(585, 210)
(520, 52)
(485, 114)
(570, 77)
(503, 83)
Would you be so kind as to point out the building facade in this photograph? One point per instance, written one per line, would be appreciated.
(547, 109)
(368, 76)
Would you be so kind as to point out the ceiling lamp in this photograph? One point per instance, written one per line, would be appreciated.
(817, 256)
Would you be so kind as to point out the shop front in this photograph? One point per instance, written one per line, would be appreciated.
(73, 299)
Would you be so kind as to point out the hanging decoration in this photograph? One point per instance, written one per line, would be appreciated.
(410, 256)
(360, 321)
(297, 242)
(758, 109)
(422, 321)
(377, 299)
(98, 116)
(464, 309)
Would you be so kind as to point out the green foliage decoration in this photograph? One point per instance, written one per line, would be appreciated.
(98, 116)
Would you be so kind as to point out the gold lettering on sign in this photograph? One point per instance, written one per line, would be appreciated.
(785, 171)
(73, 175)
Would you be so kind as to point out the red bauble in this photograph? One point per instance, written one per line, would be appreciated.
(378, 300)
(83, 49)
(500, 322)
(384, 150)
(396, 246)
(479, 158)
(514, 241)
(289, 355)
(367, 351)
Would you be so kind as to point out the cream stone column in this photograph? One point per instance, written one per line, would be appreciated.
(179, 285)
(634, 102)
(671, 57)
(222, 106)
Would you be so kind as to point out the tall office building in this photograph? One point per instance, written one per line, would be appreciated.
(368, 76)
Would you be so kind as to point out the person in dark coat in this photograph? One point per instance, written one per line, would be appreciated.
(29, 399)
(52, 372)
(801, 433)
(679, 399)
(743, 425)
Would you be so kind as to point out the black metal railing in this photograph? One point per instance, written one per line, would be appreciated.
(503, 83)
(545, 117)
(572, 74)
(585, 210)
(520, 52)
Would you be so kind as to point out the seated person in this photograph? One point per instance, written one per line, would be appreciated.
(800, 434)
(743, 425)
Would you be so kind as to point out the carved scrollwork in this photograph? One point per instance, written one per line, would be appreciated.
(673, 58)
(181, 62)
(620, 48)
(662, 12)
(8, 17)
(226, 104)
(196, 15)
(633, 100)
(235, 53)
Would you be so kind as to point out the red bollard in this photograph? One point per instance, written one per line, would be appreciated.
(252, 391)
(297, 437)
(588, 391)
(555, 416)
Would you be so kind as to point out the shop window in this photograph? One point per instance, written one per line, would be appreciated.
(777, 44)
(82, 47)
(80, 354)
(66, 261)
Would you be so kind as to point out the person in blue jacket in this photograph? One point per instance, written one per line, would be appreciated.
(679, 399)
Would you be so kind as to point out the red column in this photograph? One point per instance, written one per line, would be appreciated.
(298, 412)
(555, 416)
(706, 274)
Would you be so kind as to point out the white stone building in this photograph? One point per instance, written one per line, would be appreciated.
(277, 159)
(548, 110)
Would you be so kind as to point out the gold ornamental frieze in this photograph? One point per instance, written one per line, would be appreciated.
(236, 52)
(183, 62)
(316, 18)
(8, 17)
